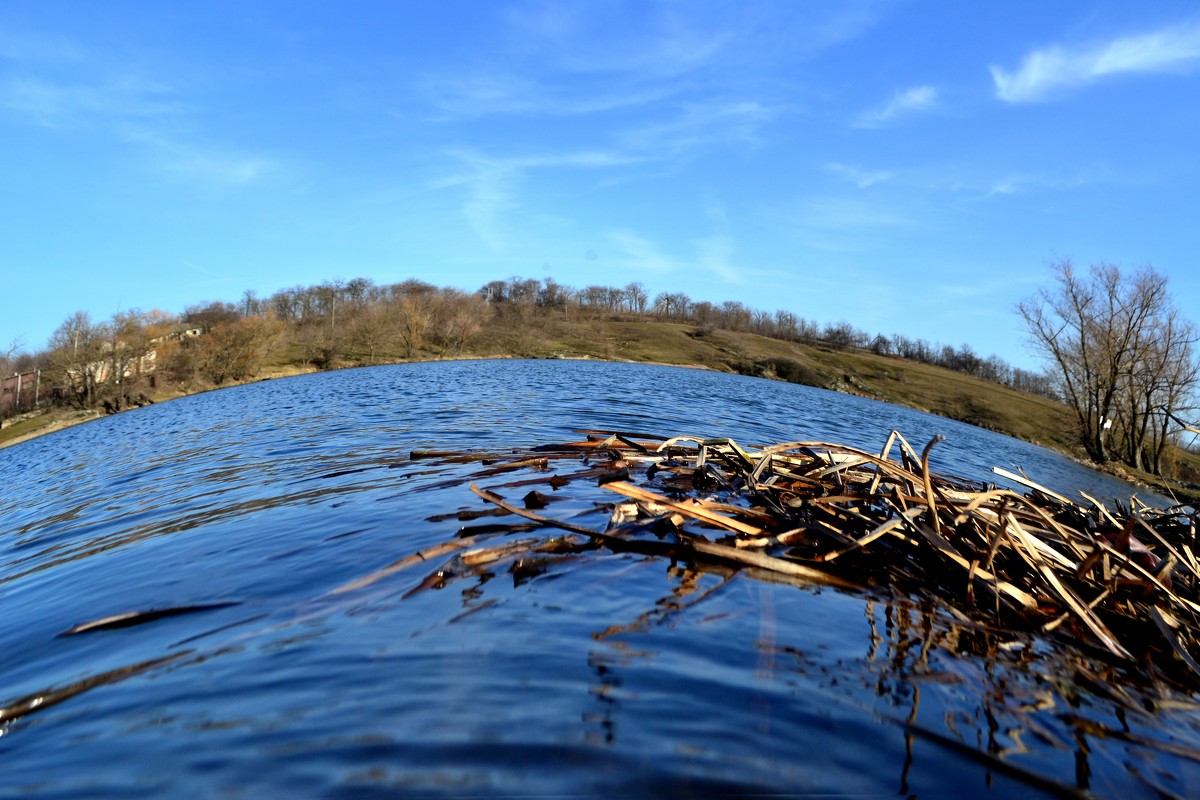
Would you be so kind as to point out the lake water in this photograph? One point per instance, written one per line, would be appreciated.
(603, 673)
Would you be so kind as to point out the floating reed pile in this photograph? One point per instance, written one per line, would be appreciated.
(1122, 581)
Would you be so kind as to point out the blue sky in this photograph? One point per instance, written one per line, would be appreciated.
(907, 167)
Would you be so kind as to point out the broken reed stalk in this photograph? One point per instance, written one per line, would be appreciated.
(1125, 579)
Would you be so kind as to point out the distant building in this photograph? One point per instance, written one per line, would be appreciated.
(25, 390)
(21, 390)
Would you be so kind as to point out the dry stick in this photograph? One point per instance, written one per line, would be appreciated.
(1063, 617)
(45, 698)
(404, 563)
(939, 542)
(887, 446)
(1103, 509)
(619, 434)
(131, 618)
(716, 444)
(675, 439)
(1021, 479)
(1033, 509)
(1046, 551)
(896, 471)
(1128, 563)
(927, 479)
(1034, 558)
(474, 559)
(697, 512)
(1066, 535)
(1191, 565)
(753, 559)
(496, 499)
(883, 456)
(887, 527)
(994, 545)
(1163, 620)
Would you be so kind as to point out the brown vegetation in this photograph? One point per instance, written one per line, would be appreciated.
(1124, 358)
(1119, 585)
(135, 356)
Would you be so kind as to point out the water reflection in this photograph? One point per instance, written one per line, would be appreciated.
(569, 667)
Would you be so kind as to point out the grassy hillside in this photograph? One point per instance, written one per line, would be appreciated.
(921, 386)
(928, 388)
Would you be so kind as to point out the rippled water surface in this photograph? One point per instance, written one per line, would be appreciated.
(603, 673)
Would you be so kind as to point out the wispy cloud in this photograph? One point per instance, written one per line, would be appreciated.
(23, 46)
(62, 87)
(202, 163)
(1046, 72)
(637, 253)
(862, 178)
(560, 59)
(658, 42)
(491, 184)
(1034, 182)
(62, 104)
(910, 101)
(714, 254)
(849, 223)
(489, 193)
(700, 124)
(508, 94)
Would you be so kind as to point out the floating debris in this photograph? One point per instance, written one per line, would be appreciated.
(130, 618)
(1122, 581)
(53, 695)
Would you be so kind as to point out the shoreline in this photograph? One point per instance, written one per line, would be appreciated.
(61, 419)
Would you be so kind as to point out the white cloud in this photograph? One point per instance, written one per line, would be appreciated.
(554, 58)
(1005, 186)
(565, 59)
(491, 184)
(863, 179)
(211, 164)
(64, 89)
(700, 124)
(1045, 72)
(646, 40)
(909, 101)
(470, 96)
(637, 253)
(850, 223)
(23, 46)
(714, 254)
(58, 104)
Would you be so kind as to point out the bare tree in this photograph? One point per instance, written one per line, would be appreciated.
(786, 325)
(251, 305)
(553, 295)
(372, 330)
(673, 305)
(595, 297)
(1118, 349)
(127, 344)
(414, 314)
(235, 350)
(1163, 375)
(77, 358)
(457, 318)
(635, 294)
(7, 356)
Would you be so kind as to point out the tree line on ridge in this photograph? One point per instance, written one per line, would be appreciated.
(357, 322)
